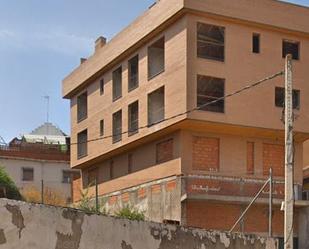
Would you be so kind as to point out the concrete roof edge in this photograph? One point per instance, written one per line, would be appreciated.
(157, 15)
(137, 30)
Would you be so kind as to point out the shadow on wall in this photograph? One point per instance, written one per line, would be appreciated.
(71, 229)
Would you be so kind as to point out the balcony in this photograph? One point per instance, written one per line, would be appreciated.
(154, 173)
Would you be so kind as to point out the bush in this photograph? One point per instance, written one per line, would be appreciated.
(130, 213)
(88, 205)
(12, 191)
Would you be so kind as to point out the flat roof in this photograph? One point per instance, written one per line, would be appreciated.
(272, 13)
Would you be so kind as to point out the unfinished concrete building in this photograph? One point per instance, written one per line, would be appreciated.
(133, 129)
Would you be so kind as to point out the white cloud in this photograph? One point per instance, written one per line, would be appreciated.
(57, 41)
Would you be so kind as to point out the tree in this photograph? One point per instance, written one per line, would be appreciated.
(8, 184)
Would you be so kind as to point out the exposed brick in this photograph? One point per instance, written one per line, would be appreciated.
(273, 157)
(156, 189)
(164, 151)
(231, 188)
(141, 193)
(125, 197)
(256, 220)
(76, 187)
(206, 153)
(171, 185)
(222, 216)
(250, 158)
(209, 215)
(112, 200)
(39, 155)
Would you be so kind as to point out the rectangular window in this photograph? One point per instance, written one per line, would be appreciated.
(205, 153)
(156, 106)
(273, 157)
(67, 176)
(164, 151)
(28, 174)
(130, 163)
(256, 43)
(133, 73)
(156, 58)
(250, 158)
(290, 47)
(210, 42)
(117, 126)
(280, 97)
(82, 107)
(117, 84)
(101, 127)
(82, 138)
(92, 176)
(111, 170)
(133, 118)
(208, 90)
(101, 86)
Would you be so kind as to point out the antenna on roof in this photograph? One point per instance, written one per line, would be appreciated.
(47, 107)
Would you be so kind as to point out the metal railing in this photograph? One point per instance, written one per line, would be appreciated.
(270, 182)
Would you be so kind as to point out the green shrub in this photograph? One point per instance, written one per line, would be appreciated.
(88, 205)
(12, 191)
(130, 213)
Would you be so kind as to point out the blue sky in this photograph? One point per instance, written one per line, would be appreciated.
(40, 43)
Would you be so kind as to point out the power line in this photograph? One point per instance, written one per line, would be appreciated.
(246, 88)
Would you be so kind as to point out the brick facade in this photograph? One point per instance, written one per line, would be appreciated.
(164, 151)
(76, 187)
(250, 158)
(273, 157)
(205, 153)
(236, 187)
(222, 216)
(211, 216)
(156, 189)
(170, 186)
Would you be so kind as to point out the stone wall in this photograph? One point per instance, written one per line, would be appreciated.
(33, 226)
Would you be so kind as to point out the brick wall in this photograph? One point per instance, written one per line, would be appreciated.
(205, 153)
(25, 225)
(236, 187)
(273, 156)
(164, 151)
(256, 220)
(76, 187)
(250, 158)
(222, 216)
(211, 215)
(36, 155)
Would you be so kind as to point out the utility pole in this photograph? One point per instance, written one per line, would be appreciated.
(289, 196)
